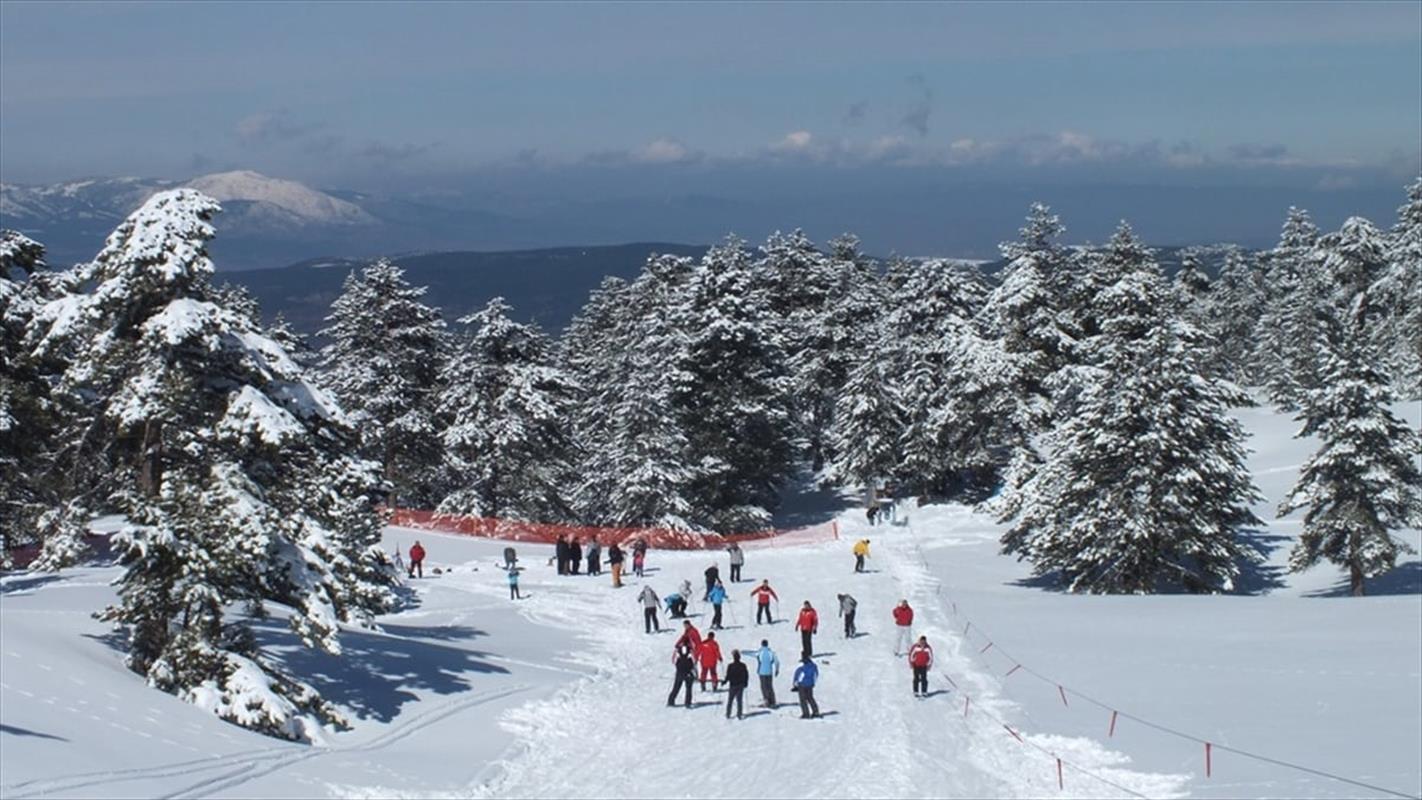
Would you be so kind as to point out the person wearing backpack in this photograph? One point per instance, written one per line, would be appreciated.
(737, 679)
(685, 675)
(847, 606)
(920, 658)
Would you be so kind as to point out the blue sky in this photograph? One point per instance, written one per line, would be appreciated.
(368, 92)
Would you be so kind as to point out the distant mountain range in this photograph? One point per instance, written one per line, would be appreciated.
(546, 286)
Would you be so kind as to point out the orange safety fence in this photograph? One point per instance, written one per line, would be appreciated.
(659, 538)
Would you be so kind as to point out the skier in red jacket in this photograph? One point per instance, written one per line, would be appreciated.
(763, 595)
(417, 560)
(808, 624)
(903, 623)
(690, 638)
(920, 658)
(710, 656)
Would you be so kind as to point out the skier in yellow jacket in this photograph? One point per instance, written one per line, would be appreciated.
(861, 552)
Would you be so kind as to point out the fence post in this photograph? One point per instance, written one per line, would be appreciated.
(835, 526)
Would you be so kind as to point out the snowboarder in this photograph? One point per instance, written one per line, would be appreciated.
(676, 605)
(804, 685)
(763, 595)
(716, 596)
(594, 557)
(903, 624)
(614, 560)
(737, 678)
(738, 560)
(709, 654)
(847, 606)
(417, 560)
(713, 576)
(808, 624)
(685, 675)
(861, 552)
(575, 556)
(649, 609)
(510, 558)
(690, 637)
(560, 552)
(767, 668)
(920, 658)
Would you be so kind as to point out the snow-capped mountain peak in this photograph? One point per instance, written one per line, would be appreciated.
(299, 200)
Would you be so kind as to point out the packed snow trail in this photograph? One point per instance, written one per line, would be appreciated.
(612, 734)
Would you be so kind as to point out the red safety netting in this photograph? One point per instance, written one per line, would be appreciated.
(660, 538)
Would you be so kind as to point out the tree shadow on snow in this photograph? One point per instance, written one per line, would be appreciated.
(804, 502)
(27, 583)
(443, 633)
(1402, 579)
(376, 675)
(15, 731)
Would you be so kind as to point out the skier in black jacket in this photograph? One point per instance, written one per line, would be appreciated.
(685, 674)
(737, 678)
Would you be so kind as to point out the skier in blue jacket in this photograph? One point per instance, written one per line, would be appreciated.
(804, 685)
(716, 596)
(768, 668)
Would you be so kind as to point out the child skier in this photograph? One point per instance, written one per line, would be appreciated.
(513, 584)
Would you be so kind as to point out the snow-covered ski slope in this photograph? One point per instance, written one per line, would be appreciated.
(562, 695)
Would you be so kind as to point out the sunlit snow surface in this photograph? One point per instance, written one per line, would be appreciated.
(562, 695)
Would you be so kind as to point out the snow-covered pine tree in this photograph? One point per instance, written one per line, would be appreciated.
(231, 468)
(387, 349)
(868, 422)
(28, 417)
(1238, 303)
(508, 407)
(735, 402)
(1144, 487)
(1363, 482)
(1401, 286)
(1030, 310)
(1192, 290)
(1286, 338)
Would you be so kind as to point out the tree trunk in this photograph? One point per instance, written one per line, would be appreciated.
(1355, 578)
(150, 472)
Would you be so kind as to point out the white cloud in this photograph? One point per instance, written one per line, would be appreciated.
(663, 151)
(795, 140)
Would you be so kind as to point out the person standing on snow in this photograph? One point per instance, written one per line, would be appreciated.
(716, 596)
(649, 609)
(575, 556)
(614, 561)
(639, 556)
(903, 624)
(513, 584)
(510, 558)
(685, 675)
(737, 679)
(808, 624)
(560, 552)
(861, 552)
(417, 560)
(713, 576)
(806, 675)
(767, 668)
(709, 654)
(690, 637)
(847, 606)
(738, 560)
(920, 658)
(763, 595)
(594, 557)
